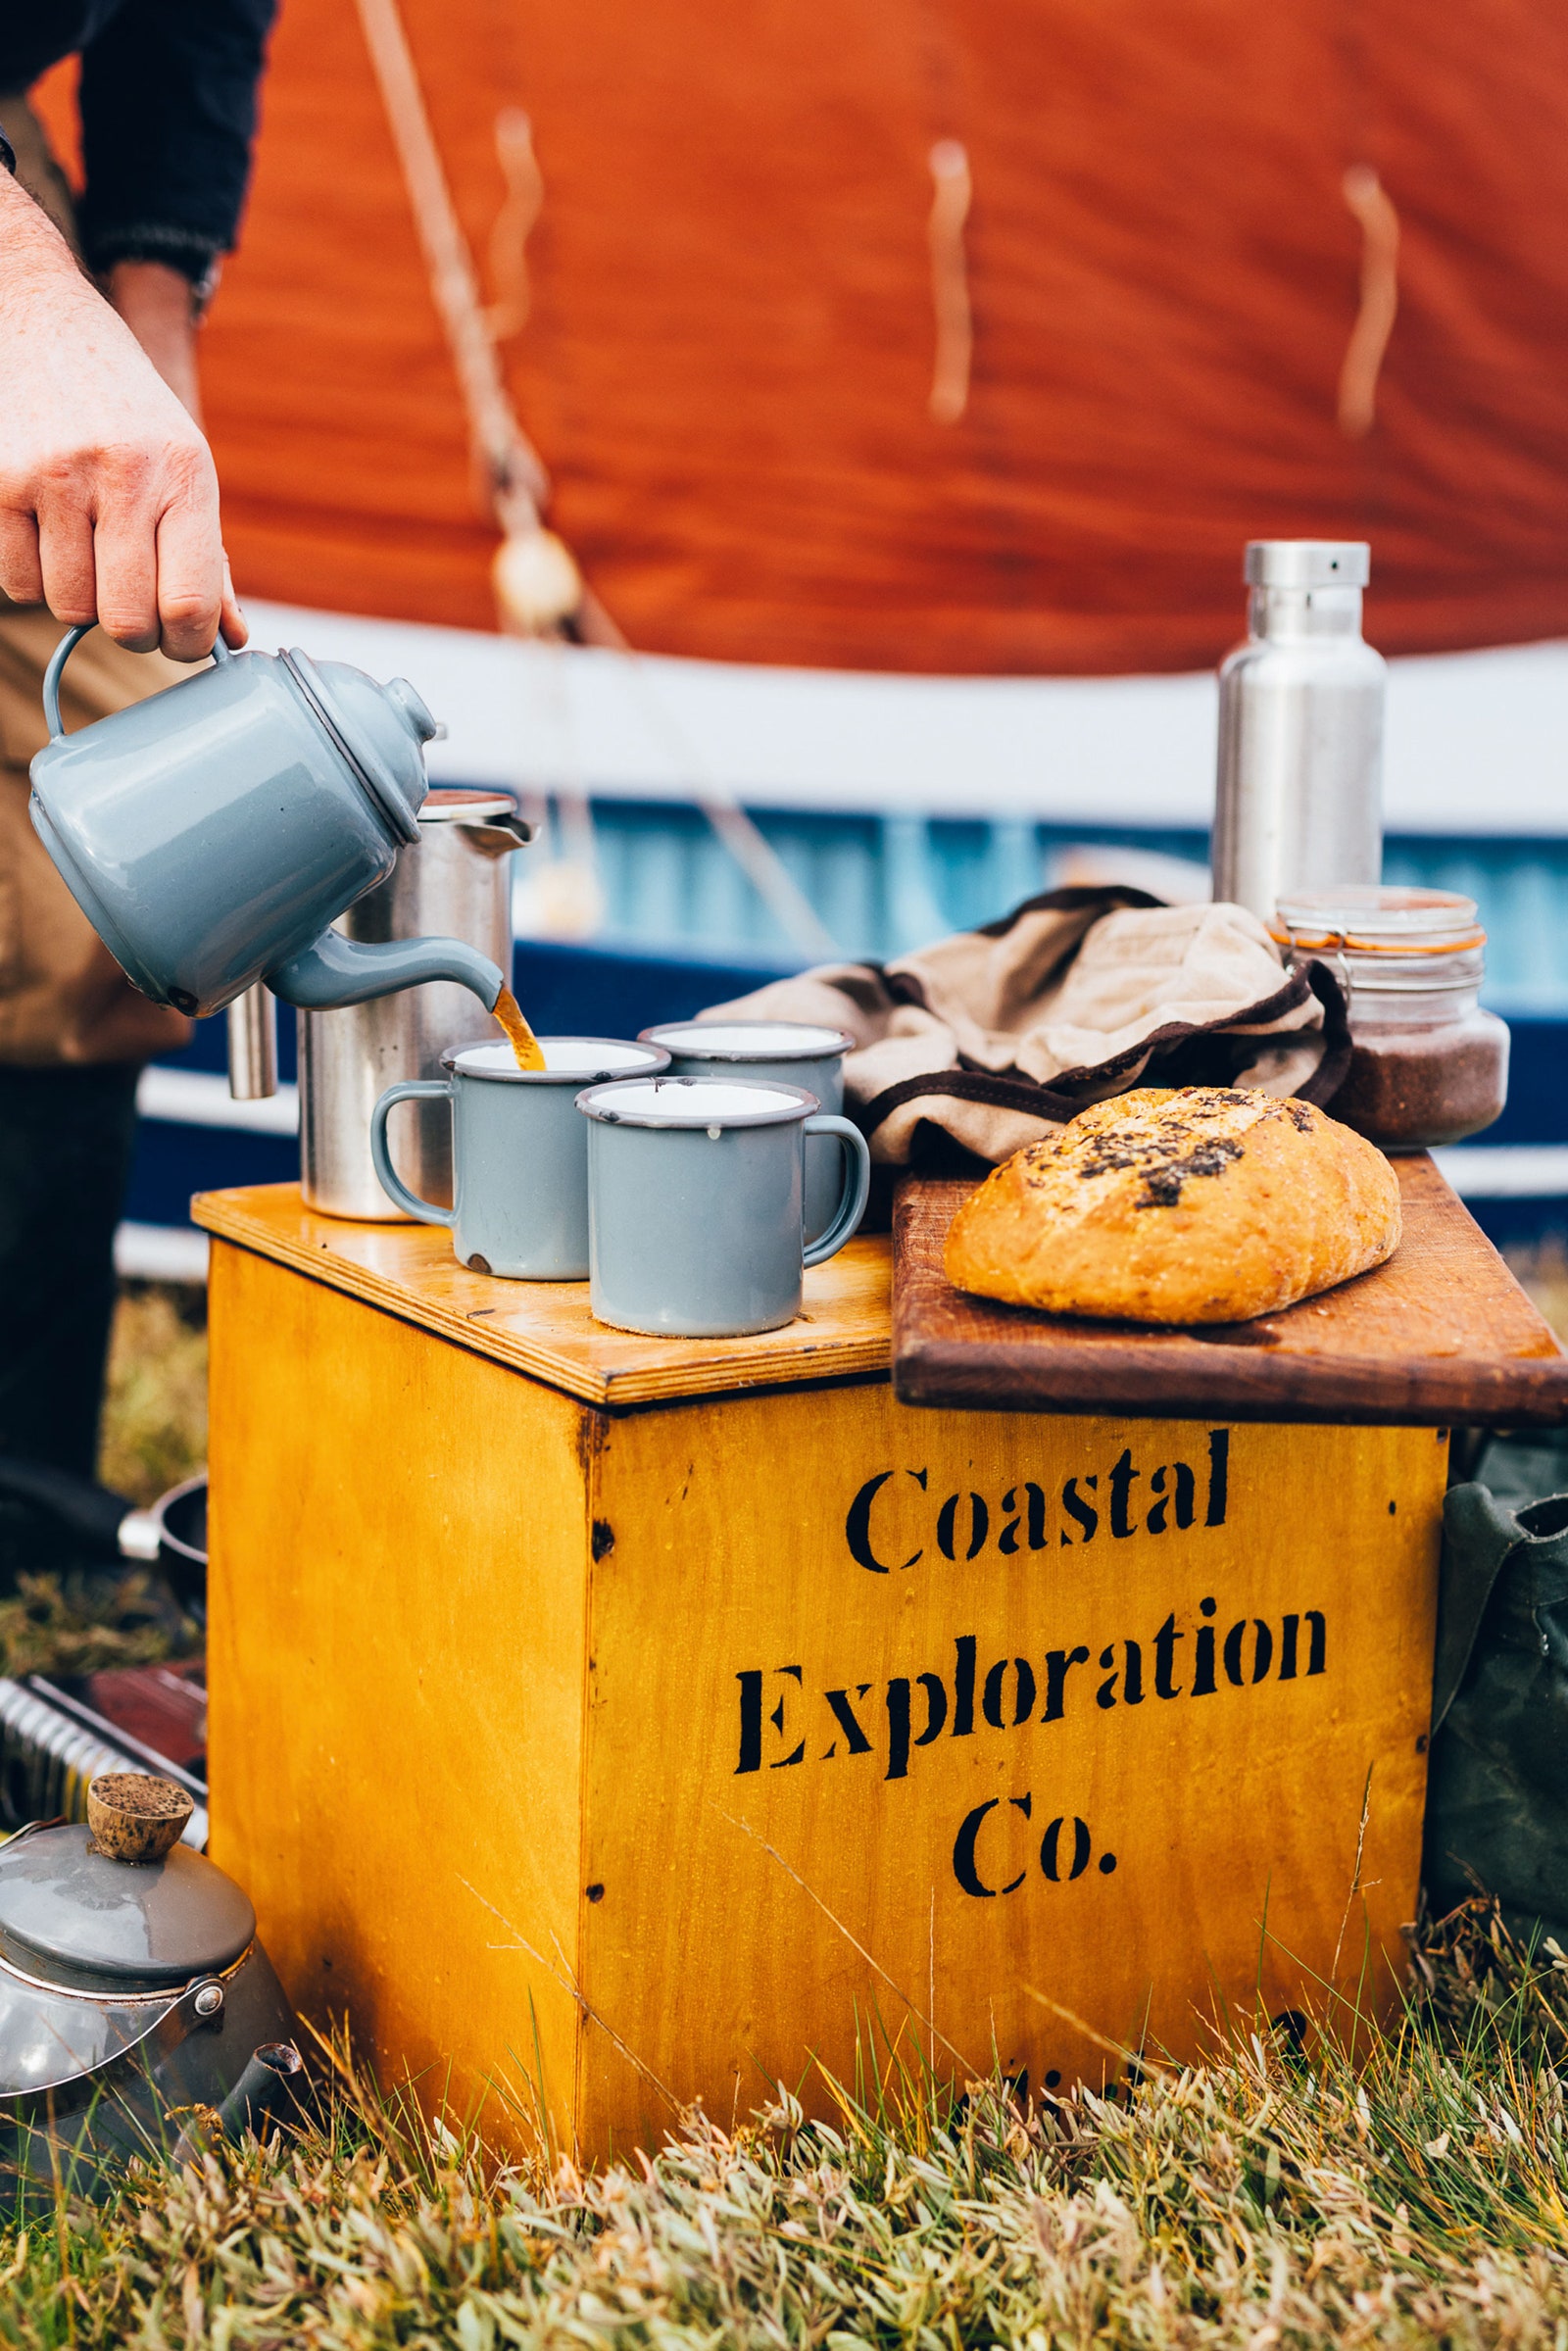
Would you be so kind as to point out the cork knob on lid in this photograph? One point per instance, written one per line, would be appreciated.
(135, 1817)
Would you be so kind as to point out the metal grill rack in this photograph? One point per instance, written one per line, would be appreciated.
(51, 1747)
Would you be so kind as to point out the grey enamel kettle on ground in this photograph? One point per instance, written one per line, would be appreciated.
(212, 833)
(134, 1996)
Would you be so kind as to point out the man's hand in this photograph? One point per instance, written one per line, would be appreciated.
(108, 492)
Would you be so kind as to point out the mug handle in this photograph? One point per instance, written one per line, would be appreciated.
(62, 655)
(412, 1090)
(857, 1187)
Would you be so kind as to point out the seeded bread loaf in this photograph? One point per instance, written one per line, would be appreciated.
(1189, 1205)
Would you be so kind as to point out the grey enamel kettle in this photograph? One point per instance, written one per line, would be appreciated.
(212, 833)
(137, 2008)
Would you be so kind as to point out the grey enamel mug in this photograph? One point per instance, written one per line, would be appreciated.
(784, 1053)
(695, 1190)
(520, 1153)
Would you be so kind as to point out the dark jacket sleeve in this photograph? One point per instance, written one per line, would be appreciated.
(168, 91)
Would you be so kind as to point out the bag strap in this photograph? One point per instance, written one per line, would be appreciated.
(1066, 1095)
(1335, 1067)
(1478, 1536)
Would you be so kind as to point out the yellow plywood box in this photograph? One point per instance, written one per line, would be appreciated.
(648, 1750)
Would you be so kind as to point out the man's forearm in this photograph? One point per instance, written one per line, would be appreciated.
(158, 306)
(32, 248)
(154, 300)
(44, 297)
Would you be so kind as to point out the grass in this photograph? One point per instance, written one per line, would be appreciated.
(1266, 2199)
(75, 1624)
(155, 1401)
(1544, 1272)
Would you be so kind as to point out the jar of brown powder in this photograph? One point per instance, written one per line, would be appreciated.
(1427, 1064)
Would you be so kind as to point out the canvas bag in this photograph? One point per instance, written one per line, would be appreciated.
(997, 1037)
(1497, 1785)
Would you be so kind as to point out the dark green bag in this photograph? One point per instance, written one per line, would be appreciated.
(1498, 1791)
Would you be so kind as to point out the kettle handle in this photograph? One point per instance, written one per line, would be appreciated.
(62, 655)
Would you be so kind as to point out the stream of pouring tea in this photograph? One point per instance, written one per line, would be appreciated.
(524, 1043)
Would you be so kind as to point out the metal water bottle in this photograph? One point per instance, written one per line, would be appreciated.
(1298, 800)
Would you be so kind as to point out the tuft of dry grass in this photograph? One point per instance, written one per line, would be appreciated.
(75, 1624)
(1543, 1272)
(153, 1434)
(155, 1403)
(1275, 2197)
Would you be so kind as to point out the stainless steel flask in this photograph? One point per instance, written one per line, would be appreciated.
(460, 864)
(1299, 798)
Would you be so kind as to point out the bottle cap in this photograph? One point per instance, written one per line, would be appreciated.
(1307, 563)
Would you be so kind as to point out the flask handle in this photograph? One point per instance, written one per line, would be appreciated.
(62, 655)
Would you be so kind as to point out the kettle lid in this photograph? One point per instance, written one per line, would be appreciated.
(380, 730)
(65, 1897)
(464, 804)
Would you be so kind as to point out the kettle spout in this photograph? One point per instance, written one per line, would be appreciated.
(338, 971)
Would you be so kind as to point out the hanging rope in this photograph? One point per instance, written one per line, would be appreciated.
(538, 586)
(514, 224)
(514, 474)
(950, 281)
(539, 589)
(739, 832)
(1368, 199)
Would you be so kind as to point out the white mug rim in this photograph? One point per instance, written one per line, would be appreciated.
(594, 1102)
(656, 1063)
(840, 1041)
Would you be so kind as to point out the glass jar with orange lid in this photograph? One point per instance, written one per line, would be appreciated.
(1427, 1064)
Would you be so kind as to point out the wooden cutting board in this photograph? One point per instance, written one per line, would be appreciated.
(1442, 1335)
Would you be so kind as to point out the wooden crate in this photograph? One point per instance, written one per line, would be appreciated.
(646, 1719)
